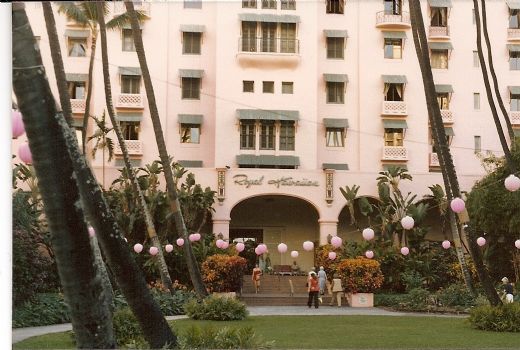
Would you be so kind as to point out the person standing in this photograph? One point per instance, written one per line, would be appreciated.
(322, 277)
(256, 278)
(313, 289)
(507, 288)
(337, 290)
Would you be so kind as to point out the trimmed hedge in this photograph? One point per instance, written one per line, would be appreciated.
(360, 275)
(223, 273)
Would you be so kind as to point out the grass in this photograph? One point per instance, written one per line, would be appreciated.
(342, 332)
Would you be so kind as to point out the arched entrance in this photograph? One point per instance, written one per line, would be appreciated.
(273, 219)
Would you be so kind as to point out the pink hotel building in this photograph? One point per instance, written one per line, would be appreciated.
(277, 104)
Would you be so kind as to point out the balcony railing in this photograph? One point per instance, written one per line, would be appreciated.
(515, 117)
(269, 45)
(513, 33)
(447, 116)
(395, 153)
(439, 32)
(134, 147)
(394, 108)
(385, 19)
(144, 7)
(130, 101)
(434, 159)
(77, 105)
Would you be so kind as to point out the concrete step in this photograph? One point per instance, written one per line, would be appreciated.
(277, 299)
(276, 284)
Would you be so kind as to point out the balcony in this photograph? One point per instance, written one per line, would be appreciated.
(395, 153)
(513, 34)
(515, 117)
(77, 105)
(439, 32)
(434, 160)
(390, 20)
(134, 148)
(134, 101)
(447, 116)
(394, 108)
(120, 8)
(274, 46)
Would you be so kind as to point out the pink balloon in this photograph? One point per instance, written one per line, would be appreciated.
(407, 222)
(24, 152)
(336, 241)
(282, 248)
(154, 250)
(91, 231)
(224, 245)
(294, 254)
(446, 244)
(481, 241)
(405, 251)
(240, 247)
(517, 243)
(194, 237)
(512, 183)
(138, 248)
(332, 255)
(180, 242)
(263, 248)
(308, 246)
(168, 248)
(197, 236)
(369, 254)
(258, 251)
(218, 243)
(17, 124)
(457, 205)
(368, 234)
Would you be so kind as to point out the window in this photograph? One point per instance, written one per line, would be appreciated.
(393, 7)
(268, 37)
(268, 4)
(268, 87)
(478, 144)
(288, 4)
(267, 134)
(192, 4)
(335, 6)
(130, 130)
(394, 137)
(287, 132)
(128, 40)
(335, 92)
(248, 86)
(476, 61)
(444, 100)
(335, 48)
(191, 88)
(393, 92)
(514, 60)
(439, 17)
(130, 84)
(77, 47)
(288, 37)
(287, 87)
(439, 59)
(249, 4)
(190, 133)
(335, 137)
(514, 18)
(191, 43)
(393, 48)
(515, 103)
(76, 90)
(249, 36)
(247, 134)
(476, 101)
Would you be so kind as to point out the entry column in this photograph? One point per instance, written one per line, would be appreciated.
(221, 226)
(327, 227)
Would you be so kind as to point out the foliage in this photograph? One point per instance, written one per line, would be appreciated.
(127, 330)
(196, 337)
(46, 309)
(416, 300)
(502, 318)
(249, 254)
(170, 305)
(223, 273)
(102, 141)
(321, 258)
(360, 275)
(216, 308)
(456, 295)
(392, 300)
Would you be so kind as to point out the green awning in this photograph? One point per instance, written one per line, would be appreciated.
(268, 17)
(76, 77)
(336, 78)
(130, 71)
(443, 88)
(193, 28)
(394, 79)
(262, 114)
(330, 33)
(439, 3)
(387, 167)
(515, 90)
(335, 166)
(517, 132)
(513, 47)
(394, 35)
(449, 131)
(513, 4)
(191, 73)
(77, 33)
(190, 163)
(250, 159)
(335, 123)
(190, 118)
(394, 124)
(440, 46)
(129, 117)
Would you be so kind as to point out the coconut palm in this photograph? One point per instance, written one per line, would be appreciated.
(393, 177)
(350, 195)
(103, 142)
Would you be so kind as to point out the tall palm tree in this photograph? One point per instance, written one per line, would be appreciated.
(350, 195)
(191, 262)
(103, 142)
(152, 233)
(84, 294)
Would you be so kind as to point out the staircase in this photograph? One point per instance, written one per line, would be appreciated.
(275, 290)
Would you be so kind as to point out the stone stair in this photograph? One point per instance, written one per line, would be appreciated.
(275, 290)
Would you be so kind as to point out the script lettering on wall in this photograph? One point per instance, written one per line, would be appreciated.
(244, 180)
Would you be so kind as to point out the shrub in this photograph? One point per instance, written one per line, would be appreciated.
(456, 295)
(360, 275)
(392, 300)
(208, 337)
(127, 330)
(502, 318)
(416, 300)
(223, 273)
(46, 309)
(216, 308)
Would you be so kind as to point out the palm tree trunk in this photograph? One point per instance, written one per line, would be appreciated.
(191, 262)
(89, 90)
(163, 268)
(84, 294)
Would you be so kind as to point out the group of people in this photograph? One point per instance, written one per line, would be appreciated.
(316, 285)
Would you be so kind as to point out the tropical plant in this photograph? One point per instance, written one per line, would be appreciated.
(216, 308)
(360, 275)
(103, 142)
(350, 195)
(224, 273)
(209, 337)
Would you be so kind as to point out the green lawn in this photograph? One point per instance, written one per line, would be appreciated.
(343, 332)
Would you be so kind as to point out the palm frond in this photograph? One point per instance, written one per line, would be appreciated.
(110, 148)
(73, 12)
(123, 19)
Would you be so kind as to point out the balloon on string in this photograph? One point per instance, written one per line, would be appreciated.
(294, 254)
(332, 255)
(336, 241)
(481, 241)
(308, 246)
(282, 248)
(225, 245)
(407, 222)
(180, 242)
(368, 234)
(91, 231)
(218, 243)
(194, 237)
(17, 125)
(168, 248)
(517, 243)
(512, 183)
(24, 153)
(405, 251)
(446, 244)
(240, 247)
(258, 250)
(369, 254)
(263, 248)
(457, 205)
(138, 247)
(153, 250)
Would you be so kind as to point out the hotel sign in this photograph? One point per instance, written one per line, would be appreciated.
(244, 180)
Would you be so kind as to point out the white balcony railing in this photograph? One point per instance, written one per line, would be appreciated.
(447, 116)
(394, 108)
(134, 147)
(120, 8)
(77, 105)
(384, 19)
(513, 33)
(395, 153)
(439, 32)
(130, 101)
(515, 117)
(268, 46)
(434, 159)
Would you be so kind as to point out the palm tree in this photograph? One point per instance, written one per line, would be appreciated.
(191, 262)
(350, 195)
(152, 233)
(102, 141)
(91, 318)
(393, 176)
(441, 203)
